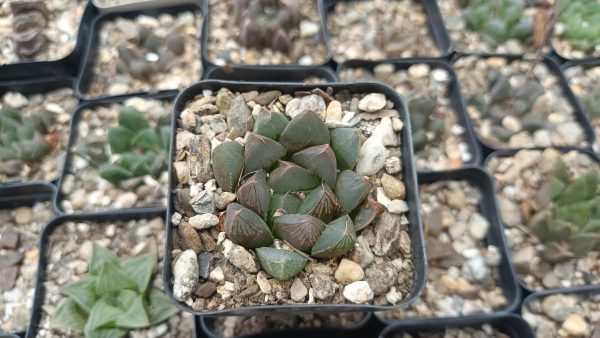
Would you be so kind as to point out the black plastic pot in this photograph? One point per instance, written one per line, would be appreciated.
(453, 94)
(510, 324)
(66, 66)
(580, 117)
(166, 96)
(24, 195)
(207, 327)
(86, 68)
(270, 74)
(31, 87)
(99, 217)
(437, 29)
(409, 175)
(207, 62)
(510, 153)
(476, 177)
(10, 335)
(582, 291)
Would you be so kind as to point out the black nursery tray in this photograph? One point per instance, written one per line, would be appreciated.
(284, 73)
(409, 177)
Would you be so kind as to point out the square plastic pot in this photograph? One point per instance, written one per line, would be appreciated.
(409, 176)
(90, 53)
(270, 73)
(453, 94)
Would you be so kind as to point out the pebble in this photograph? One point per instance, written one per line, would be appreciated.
(223, 199)
(474, 268)
(571, 132)
(203, 221)
(575, 325)
(239, 115)
(511, 123)
(311, 102)
(182, 172)
(387, 232)
(559, 306)
(393, 187)
(372, 102)
(263, 282)
(204, 260)
(383, 70)
(381, 277)
(217, 275)
(203, 202)
(226, 290)
(185, 275)
(478, 226)
(392, 165)
(189, 238)
(205, 290)
(371, 157)
(308, 28)
(23, 215)
(393, 296)
(348, 272)
(509, 211)
(456, 199)
(298, 291)
(334, 111)
(418, 71)
(523, 258)
(324, 288)
(385, 133)
(358, 292)
(239, 257)
(404, 244)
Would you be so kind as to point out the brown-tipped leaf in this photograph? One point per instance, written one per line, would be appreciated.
(246, 228)
(367, 213)
(285, 203)
(301, 231)
(319, 160)
(261, 153)
(305, 130)
(270, 124)
(288, 177)
(351, 189)
(338, 238)
(345, 143)
(281, 264)
(254, 193)
(228, 163)
(320, 203)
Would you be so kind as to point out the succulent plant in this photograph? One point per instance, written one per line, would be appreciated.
(568, 216)
(29, 21)
(134, 59)
(294, 182)
(115, 298)
(265, 23)
(497, 21)
(424, 120)
(25, 138)
(139, 149)
(581, 20)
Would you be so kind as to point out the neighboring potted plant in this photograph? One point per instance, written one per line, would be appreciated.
(287, 203)
(577, 29)
(270, 32)
(440, 134)
(520, 103)
(118, 156)
(142, 51)
(548, 202)
(371, 30)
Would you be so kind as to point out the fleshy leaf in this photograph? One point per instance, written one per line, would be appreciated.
(261, 153)
(289, 203)
(577, 213)
(83, 292)
(345, 143)
(281, 264)
(69, 316)
(140, 269)
(113, 278)
(119, 139)
(101, 255)
(288, 177)
(319, 160)
(582, 244)
(121, 299)
(246, 228)
(135, 317)
(114, 173)
(367, 213)
(583, 188)
(305, 130)
(270, 124)
(131, 118)
(320, 203)
(165, 137)
(103, 315)
(301, 231)
(227, 164)
(254, 193)
(560, 171)
(160, 307)
(338, 238)
(351, 189)
(147, 139)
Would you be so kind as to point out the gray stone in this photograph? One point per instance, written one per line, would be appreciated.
(385, 133)
(204, 221)
(223, 199)
(371, 157)
(381, 277)
(204, 260)
(509, 211)
(358, 292)
(205, 290)
(523, 258)
(387, 232)
(267, 97)
(311, 102)
(474, 268)
(559, 306)
(324, 288)
(200, 169)
(392, 165)
(238, 117)
(223, 103)
(239, 257)
(185, 275)
(203, 202)
(298, 291)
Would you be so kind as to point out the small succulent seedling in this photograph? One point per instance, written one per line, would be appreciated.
(141, 148)
(568, 220)
(581, 20)
(25, 138)
(29, 21)
(115, 298)
(298, 187)
(265, 23)
(497, 21)
(424, 120)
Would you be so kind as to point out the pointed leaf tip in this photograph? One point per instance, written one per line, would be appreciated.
(261, 153)
(351, 189)
(245, 227)
(319, 160)
(320, 203)
(337, 239)
(270, 124)
(301, 231)
(281, 264)
(345, 143)
(305, 130)
(227, 164)
(254, 193)
(289, 177)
